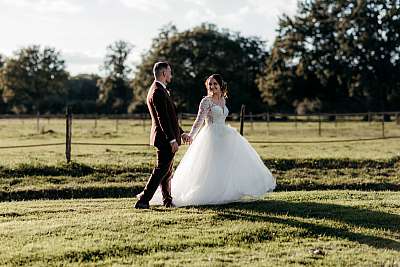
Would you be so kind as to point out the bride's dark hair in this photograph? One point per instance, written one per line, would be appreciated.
(222, 84)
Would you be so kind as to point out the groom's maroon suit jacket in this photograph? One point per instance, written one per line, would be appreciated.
(164, 122)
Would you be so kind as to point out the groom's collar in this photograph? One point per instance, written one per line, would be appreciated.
(163, 85)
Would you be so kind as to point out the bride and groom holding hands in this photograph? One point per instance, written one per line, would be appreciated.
(220, 166)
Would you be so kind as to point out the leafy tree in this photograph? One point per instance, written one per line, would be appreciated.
(2, 104)
(335, 56)
(2, 59)
(33, 80)
(115, 91)
(197, 53)
(83, 93)
(370, 41)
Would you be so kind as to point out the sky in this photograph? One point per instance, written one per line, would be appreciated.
(82, 30)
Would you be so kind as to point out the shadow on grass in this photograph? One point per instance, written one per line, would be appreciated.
(353, 217)
(71, 193)
(345, 185)
(109, 191)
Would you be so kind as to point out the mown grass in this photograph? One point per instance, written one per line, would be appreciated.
(25, 182)
(317, 228)
(109, 171)
(314, 227)
(23, 132)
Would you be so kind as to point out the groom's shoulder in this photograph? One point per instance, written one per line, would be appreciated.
(155, 91)
(154, 87)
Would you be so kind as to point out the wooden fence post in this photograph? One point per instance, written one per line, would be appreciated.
(383, 125)
(143, 121)
(251, 121)
(319, 124)
(369, 118)
(242, 112)
(116, 125)
(68, 136)
(398, 118)
(268, 120)
(335, 116)
(37, 122)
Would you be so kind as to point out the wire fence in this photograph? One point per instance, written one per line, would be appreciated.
(319, 121)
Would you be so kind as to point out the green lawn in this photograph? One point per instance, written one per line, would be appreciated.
(24, 132)
(324, 228)
(36, 181)
(118, 171)
(335, 204)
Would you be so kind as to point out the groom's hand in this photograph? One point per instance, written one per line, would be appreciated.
(174, 147)
(186, 138)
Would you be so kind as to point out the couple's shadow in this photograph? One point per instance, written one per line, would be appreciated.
(347, 216)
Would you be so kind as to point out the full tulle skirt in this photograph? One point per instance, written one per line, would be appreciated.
(220, 166)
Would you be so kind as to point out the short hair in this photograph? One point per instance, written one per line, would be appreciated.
(159, 67)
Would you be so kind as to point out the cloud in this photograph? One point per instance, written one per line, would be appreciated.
(235, 18)
(238, 13)
(74, 57)
(194, 16)
(76, 69)
(206, 14)
(81, 62)
(275, 8)
(46, 6)
(91, 61)
(146, 5)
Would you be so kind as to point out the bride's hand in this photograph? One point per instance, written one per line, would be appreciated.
(186, 138)
(190, 140)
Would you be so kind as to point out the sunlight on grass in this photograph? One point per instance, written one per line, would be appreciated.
(24, 132)
(288, 228)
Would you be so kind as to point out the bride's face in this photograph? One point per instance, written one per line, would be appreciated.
(213, 87)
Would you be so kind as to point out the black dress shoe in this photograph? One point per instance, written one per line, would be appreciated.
(141, 205)
(139, 196)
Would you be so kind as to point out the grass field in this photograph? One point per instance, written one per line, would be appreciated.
(24, 132)
(335, 204)
(107, 171)
(324, 228)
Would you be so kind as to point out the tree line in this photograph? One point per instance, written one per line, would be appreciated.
(332, 56)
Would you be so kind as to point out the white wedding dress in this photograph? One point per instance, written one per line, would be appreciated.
(220, 166)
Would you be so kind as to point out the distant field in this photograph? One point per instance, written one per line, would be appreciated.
(24, 132)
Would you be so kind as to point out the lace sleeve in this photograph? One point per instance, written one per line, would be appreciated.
(204, 108)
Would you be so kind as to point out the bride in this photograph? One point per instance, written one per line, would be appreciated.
(220, 166)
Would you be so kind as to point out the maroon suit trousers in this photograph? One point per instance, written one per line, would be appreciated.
(160, 176)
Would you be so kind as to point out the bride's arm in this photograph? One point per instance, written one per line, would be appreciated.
(204, 108)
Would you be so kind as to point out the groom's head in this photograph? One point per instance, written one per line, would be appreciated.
(162, 72)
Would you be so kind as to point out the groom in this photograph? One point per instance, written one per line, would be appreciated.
(165, 135)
